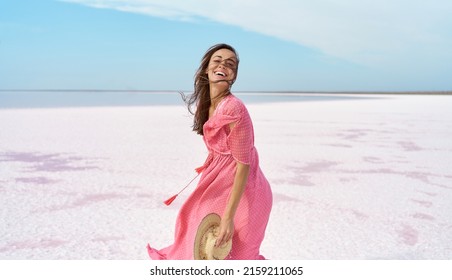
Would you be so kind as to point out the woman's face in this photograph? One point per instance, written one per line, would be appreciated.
(222, 66)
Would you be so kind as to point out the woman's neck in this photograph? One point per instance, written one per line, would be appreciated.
(217, 94)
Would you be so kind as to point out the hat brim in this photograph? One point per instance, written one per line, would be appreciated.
(209, 224)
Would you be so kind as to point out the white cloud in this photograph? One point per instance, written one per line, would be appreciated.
(363, 31)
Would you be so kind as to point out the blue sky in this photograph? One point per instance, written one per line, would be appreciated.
(297, 45)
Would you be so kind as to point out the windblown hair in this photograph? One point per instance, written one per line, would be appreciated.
(201, 95)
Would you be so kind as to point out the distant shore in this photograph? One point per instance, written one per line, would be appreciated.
(446, 92)
(59, 98)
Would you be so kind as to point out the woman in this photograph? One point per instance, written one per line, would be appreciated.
(232, 184)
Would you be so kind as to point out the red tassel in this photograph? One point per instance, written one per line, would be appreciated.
(170, 200)
(199, 169)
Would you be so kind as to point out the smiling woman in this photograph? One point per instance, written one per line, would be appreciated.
(232, 184)
(218, 68)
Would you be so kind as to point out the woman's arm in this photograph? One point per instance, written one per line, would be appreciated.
(227, 221)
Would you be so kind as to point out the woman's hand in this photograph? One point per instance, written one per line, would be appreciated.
(226, 232)
(227, 222)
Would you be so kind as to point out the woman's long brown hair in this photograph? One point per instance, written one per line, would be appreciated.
(201, 95)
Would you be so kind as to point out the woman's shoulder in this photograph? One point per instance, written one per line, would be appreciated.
(233, 105)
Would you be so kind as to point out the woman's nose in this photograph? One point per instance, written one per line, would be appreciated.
(222, 64)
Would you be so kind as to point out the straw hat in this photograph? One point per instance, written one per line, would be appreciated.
(206, 236)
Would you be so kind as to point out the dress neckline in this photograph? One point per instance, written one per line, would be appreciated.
(219, 106)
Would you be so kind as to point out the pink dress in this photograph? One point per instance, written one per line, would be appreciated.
(226, 146)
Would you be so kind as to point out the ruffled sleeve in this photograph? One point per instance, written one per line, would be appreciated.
(241, 137)
(239, 140)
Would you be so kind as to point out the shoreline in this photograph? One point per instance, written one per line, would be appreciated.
(276, 92)
(80, 98)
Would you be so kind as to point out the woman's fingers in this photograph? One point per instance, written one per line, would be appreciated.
(226, 232)
(219, 241)
(223, 238)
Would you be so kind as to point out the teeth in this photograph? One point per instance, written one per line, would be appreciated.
(220, 73)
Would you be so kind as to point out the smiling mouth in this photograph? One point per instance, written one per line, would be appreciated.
(220, 74)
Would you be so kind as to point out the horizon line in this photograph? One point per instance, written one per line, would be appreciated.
(433, 92)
